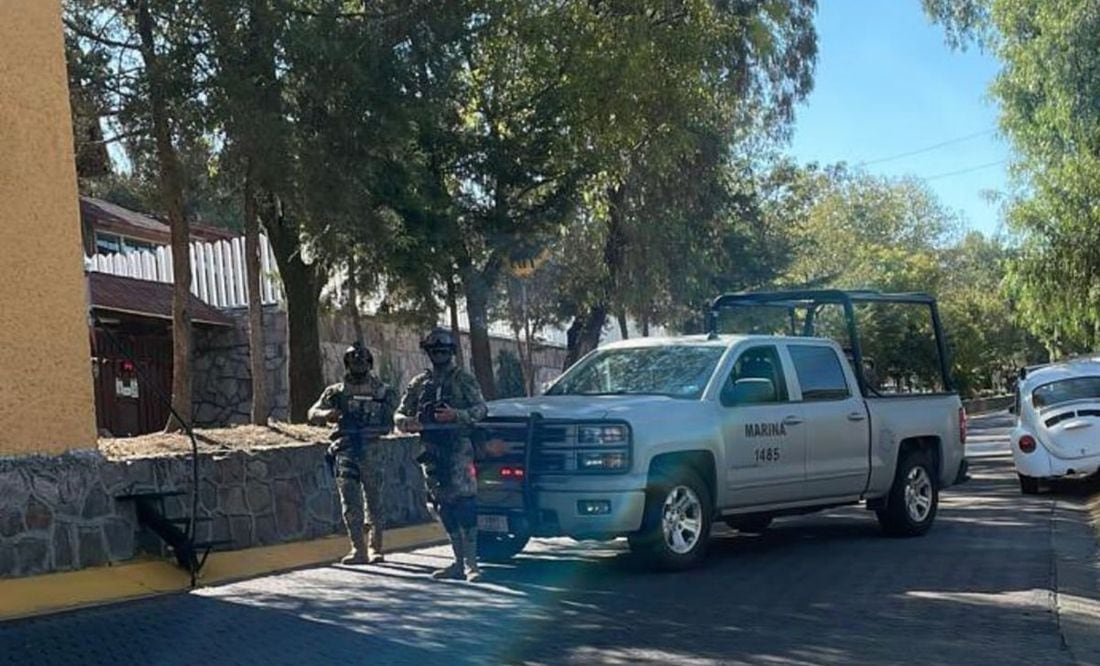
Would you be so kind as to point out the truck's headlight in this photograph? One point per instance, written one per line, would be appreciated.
(598, 460)
(602, 434)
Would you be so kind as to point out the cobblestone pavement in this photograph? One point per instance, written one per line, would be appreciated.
(821, 589)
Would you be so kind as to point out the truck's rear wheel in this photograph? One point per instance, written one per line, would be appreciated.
(1029, 485)
(676, 525)
(911, 506)
(500, 547)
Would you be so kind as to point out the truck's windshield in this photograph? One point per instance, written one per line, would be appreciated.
(676, 371)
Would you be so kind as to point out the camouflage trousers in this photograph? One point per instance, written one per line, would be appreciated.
(450, 475)
(451, 481)
(359, 482)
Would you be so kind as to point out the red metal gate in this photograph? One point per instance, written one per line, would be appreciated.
(128, 394)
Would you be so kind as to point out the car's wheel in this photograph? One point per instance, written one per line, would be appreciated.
(749, 524)
(1029, 485)
(911, 505)
(500, 547)
(676, 524)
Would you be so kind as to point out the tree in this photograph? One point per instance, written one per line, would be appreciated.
(1046, 90)
(669, 90)
(858, 231)
(988, 343)
(88, 69)
(313, 126)
(150, 42)
(865, 231)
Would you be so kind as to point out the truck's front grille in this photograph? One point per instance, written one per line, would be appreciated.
(547, 462)
(555, 449)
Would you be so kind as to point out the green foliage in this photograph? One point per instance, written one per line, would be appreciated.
(424, 143)
(1047, 90)
(865, 232)
(964, 21)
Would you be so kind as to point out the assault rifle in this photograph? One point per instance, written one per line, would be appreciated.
(444, 437)
(361, 420)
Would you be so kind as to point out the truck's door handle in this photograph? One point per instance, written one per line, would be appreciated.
(792, 421)
(856, 416)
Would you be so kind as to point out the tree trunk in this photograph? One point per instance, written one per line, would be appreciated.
(624, 331)
(584, 334)
(522, 359)
(477, 307)
(645, 326)
(452, 307)
(302, 283)
(353, 302)
(261, 408)
(171, 194)
(532, 375)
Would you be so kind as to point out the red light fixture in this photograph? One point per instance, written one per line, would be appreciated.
(1026, 444)
(511, 472)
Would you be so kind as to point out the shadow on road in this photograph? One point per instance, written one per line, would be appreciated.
(818, 589)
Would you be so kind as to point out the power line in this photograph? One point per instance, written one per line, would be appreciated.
(966, 170)
(927, 149)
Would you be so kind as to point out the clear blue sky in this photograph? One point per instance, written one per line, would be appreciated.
(887, 84)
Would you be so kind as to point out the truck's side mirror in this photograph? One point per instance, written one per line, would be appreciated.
(749, 391)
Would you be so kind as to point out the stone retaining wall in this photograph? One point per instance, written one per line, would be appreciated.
(59, 513)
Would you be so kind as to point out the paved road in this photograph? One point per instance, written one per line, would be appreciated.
(979, 589)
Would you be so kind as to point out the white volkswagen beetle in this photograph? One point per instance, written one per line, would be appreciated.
(1057, 431)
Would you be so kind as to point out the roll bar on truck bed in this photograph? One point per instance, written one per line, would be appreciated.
(811, 300)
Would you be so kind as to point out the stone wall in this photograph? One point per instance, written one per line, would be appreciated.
(222, 371)
(59, 513)
(397, 352)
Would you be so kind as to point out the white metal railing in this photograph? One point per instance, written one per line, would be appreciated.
(218, 277)
(218, 274)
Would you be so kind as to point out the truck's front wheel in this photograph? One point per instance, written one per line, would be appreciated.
(911, 507)
(676, 525)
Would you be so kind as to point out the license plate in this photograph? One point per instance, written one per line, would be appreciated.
(493, 523)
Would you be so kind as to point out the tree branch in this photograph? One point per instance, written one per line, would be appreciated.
(119, 137)
(98, 39)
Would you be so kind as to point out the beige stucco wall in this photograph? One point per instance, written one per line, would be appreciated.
(46, 402)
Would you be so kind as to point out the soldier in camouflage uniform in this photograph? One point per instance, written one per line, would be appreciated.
(436, 404)
(363, 407)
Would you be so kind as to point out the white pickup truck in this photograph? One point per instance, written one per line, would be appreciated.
(656, 438)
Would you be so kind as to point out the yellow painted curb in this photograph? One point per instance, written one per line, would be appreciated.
(36, 595)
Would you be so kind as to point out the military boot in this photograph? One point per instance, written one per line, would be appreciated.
(358, 552)
(374, 547)
(454, 571)
(469, 548)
